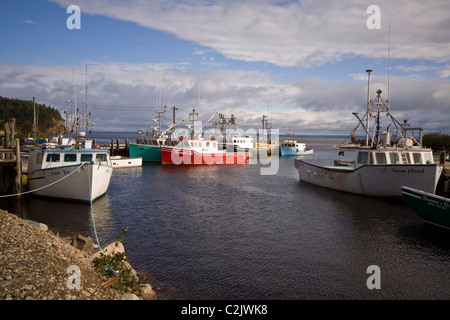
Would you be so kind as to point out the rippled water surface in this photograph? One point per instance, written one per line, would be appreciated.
(228, 232)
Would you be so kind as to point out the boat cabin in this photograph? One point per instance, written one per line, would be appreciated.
(50, 158)
(202, 146)
(384, 156)
(242, 142)
(150, 139)
(293, 144)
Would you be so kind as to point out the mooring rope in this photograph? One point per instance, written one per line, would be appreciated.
(107, 266)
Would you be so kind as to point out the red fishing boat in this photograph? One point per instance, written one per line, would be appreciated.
(199, 151)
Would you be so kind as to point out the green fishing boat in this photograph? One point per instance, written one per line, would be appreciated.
(430, 207)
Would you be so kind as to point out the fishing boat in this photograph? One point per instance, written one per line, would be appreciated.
(148, 145)
(291, 147)
(197, 150)
(233, 139)
(70, 169)
(381, 168)
(77, 173)
(431, 208)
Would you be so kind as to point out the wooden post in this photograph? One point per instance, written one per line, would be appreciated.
(18, 179)
(111, 148)
(34, 120)
(117, 147)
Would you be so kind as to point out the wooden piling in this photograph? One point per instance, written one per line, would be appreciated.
(18, 179)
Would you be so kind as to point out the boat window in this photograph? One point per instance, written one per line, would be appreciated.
(408, 157)
(214, 145)
(192, 144)
(362, 157)
(381, 157)
(39, 158)
(393, 156)
(70, 157)
(101, 157)
(417, 158)
(428, 158)
(207, 144)
(86, 157)
(53, 157)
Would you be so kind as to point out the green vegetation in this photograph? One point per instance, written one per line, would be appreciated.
(109, 265)
(49, 119)
(436, 141)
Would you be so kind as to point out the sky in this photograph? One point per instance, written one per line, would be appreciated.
(300, 63)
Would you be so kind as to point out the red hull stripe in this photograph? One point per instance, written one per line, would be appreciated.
(186, 156)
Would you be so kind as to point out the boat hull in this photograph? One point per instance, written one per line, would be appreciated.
(187, 156)
(146, 152)
(125, 162)
(371, 180)
(429, 207)
(293, 152)
(89, 182)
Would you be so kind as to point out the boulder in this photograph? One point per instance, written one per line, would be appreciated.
(38, 225)
(83, 243)
(110, 249)
(129, 296)
(147, 292)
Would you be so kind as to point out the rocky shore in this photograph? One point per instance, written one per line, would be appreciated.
(38, 265)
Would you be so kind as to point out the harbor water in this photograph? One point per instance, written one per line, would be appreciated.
(230, 232)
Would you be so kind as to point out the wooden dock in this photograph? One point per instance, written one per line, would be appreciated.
(10, 169)
(116, 148)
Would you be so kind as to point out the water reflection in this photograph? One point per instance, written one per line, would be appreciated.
(67, 218)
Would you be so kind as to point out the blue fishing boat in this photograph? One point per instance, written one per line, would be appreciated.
(147, 146)
(291, 147)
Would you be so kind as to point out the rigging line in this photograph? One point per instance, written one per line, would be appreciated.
(34, 190)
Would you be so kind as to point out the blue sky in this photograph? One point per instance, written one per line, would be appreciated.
(301, 63)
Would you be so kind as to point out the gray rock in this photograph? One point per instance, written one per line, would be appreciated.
(147, 292)
(129, 296)
(38, 225)
(83, 243)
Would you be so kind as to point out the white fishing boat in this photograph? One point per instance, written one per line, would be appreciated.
(380, 167)
(79, 173)
(377, 172)
(70, 170)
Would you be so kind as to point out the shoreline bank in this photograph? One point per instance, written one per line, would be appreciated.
(35, 264)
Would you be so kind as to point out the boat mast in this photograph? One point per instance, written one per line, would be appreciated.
(173, 116)
(368, 107)
(193, 117)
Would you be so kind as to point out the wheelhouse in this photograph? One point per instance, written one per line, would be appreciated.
(394, 156)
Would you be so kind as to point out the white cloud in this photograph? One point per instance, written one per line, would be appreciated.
(303, 33)
(122, 97)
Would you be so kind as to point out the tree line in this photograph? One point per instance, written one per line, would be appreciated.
(49, 119)
(436, 141)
